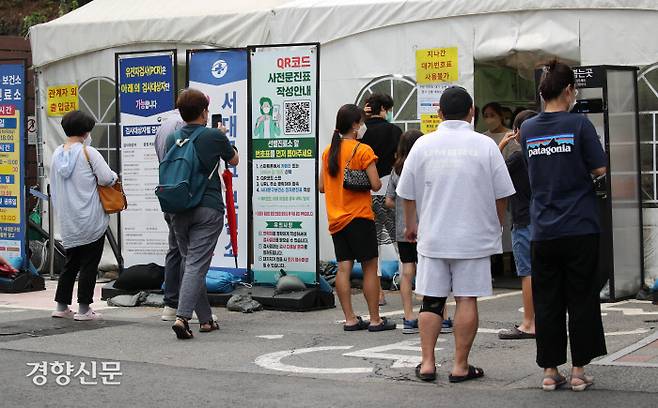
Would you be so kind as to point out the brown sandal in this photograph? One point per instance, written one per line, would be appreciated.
(183, 331)
(209, 327)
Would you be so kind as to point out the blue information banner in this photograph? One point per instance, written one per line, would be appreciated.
(146, 90)
(222, 75)
(12, 160)
(146, 84)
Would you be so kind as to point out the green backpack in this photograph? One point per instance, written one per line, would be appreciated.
(181, 181)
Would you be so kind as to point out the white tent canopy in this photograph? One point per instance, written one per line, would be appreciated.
(104, 24)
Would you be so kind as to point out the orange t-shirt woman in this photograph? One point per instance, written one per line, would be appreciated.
(351, 220)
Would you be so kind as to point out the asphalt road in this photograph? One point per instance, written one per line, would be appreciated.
(273, 359)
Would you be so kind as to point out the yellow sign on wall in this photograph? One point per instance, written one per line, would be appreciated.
(62, 99)
(436, 65)
(429, 123)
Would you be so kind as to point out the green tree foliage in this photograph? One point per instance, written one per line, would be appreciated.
(17, 16)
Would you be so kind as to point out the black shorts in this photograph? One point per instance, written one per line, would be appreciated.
(408, 253)
(358, 240)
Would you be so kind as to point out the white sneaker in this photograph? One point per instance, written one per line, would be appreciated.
(66, 314)
(169, 315)
(90, 315)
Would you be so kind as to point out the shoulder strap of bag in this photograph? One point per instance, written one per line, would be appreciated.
(192, 137)
(353, 153)
(84, 150)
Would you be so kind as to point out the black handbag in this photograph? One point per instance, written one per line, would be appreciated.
(355, 180)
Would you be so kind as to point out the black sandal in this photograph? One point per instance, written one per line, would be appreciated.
(425, 376)
(182, 332)
(473, 373)
(213, 326)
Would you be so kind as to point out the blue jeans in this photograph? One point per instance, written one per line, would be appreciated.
(521, 249)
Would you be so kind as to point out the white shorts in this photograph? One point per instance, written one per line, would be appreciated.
(438, 277)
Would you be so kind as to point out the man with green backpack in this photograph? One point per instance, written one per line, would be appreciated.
(190, 191)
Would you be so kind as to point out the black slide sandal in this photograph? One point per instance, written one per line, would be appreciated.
(425, 377)
(182, 332)
(360, 325)
(473, 373)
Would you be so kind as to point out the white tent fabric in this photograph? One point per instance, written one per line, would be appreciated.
(326, 21)
(104, 24)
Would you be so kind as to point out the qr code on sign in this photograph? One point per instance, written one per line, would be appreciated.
(297, 117)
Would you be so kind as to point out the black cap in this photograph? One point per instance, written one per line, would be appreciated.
(455, 102)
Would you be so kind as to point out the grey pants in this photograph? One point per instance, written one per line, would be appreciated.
(197, 232)
(173, 269)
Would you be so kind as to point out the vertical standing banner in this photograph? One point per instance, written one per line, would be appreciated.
(283, 150)
(146, 91)
(12, 159)
(222, 75)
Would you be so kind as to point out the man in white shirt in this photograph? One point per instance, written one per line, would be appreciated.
(456, 181)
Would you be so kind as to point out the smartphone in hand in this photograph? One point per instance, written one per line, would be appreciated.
(216, 120)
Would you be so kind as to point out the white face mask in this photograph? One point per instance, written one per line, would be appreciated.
(361, 131)
(87, 141)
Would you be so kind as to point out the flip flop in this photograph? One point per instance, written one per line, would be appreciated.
(383, 326)
(425, 377)
(360, 325)
(558, 381)
(515, 334)
(586, 379)
(473, 373)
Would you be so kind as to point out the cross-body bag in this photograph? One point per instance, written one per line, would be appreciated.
(355, 180)
(112, 197)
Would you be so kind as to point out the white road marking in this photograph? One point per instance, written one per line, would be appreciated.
(521, 310)
(624, 333)
(628, 311)
(12, 310)
(271, 336)
(272, 361)
(399, 360)
(490, 331)
(417, 308)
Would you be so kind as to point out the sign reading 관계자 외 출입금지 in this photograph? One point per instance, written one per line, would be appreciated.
(61, 99)
(146, 91)
(284, 154)
(12, 157)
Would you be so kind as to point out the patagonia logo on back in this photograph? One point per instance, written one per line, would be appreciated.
(548, 145)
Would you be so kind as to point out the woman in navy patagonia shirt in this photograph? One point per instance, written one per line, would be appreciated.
(563, 152)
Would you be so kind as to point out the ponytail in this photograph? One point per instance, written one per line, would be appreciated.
(334, 153)
(346, 117)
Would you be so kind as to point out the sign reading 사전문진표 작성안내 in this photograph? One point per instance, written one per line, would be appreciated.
(284, 153)
(222, 75)
(146, 91)
(12, 156)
